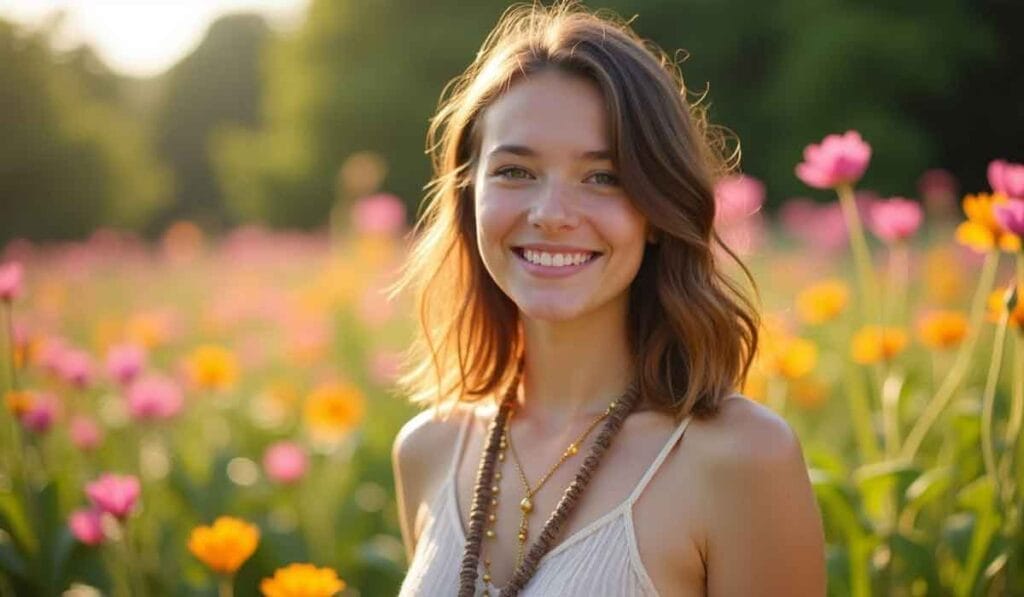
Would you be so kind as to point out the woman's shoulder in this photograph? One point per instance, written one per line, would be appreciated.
(743, 434)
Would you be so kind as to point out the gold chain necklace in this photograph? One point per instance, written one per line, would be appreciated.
(526, 504)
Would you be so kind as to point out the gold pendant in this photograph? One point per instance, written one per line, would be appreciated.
(526, 505)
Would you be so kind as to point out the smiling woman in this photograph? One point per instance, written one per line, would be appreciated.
(566, 280)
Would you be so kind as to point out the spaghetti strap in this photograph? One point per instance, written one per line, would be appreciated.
(453, 468)
(651, 470)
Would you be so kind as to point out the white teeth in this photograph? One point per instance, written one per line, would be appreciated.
(556, 259)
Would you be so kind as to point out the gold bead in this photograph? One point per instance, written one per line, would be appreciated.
(497, 475)
(522, 536)
(487, 577)
(492, 518)
(526, 505)
(612, 405)
(490, 533)
(487, 562)
(573, 450)
(494, 501)
(494, 488)
(501, 456)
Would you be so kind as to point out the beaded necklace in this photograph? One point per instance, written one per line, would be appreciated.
(485, 493)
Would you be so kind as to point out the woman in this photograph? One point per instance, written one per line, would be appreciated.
(574, 323)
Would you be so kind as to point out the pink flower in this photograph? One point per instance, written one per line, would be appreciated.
(75, 367)
(1006, 178)
(737, 197)
(382, 213)
(820, 226)
(1010, 215)
(42, 413)
(154, 397)
(285, 462)
(837, 160)
(125, 361)
(86, 525)
(114, 494)
(894, 220)
(85, 434)
(10, 280)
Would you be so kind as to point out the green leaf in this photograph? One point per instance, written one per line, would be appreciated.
(929, 486)
(880, 483)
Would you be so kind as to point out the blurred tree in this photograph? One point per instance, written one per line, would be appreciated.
(69, 160)
(216, 85)
(782, 74)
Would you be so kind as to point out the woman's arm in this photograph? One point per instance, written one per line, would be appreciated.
(765, 535)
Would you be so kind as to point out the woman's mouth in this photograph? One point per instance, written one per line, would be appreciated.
(554, 265)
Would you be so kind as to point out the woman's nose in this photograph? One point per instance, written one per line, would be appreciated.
(554, 208)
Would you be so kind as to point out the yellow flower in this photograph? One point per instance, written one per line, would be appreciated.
(213, 367)
(944, 279)
(873, 343)
(795, 357)
(225, 545)
(981, 231)
(302, 580)
(823, 301)
(996, 308)
(942, 329)
(332, 410)
(18, 402)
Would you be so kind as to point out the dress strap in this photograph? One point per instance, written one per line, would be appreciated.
(459, 443)
(651, 470)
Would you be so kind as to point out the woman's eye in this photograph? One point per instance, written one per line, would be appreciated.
(513, 172)
(606, 178)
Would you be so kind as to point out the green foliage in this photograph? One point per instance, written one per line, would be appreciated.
(69, 161)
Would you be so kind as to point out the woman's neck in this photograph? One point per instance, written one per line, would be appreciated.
(573, 370)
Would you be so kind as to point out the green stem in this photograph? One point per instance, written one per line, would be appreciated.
(952, 380)
(866, 281)
(860, 414)
(988, 399)
(8, 310)
(890, 391)
(225, 588)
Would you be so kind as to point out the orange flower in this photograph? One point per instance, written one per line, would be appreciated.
(942, 329)
(809, 393)
(18, 402)
(823, 301)
(873, 343)
(996, 307)
(332, 410)
(302, 580)
(225, 545)
(213, 367)
(795, 357)
(981, 231)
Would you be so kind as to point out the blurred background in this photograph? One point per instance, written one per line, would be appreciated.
(203, 202)
(227, 111)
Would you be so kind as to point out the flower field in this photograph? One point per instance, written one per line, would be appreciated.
(214, 416)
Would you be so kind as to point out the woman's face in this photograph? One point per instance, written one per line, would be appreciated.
(555, 230)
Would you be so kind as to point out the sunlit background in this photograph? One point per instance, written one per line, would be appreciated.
(202, 204)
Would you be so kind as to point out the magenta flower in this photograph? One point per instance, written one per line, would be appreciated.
(737, 197)
(10, 281)
(114, 494)
(1006, 178)
(85, 434)
(75, 367)
(154, 397)
(42, 413)
(86, 525)
(285, 462)
(895, 220)
(1010, 215)
(125, 361)
(837, 160)
(382, 213)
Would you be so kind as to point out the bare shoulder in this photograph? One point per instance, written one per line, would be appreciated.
(419, 453)
(758, 504)
(743, 434)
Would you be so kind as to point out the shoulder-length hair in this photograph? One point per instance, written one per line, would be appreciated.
(693, 331)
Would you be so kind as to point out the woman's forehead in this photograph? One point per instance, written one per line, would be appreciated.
(548, 112)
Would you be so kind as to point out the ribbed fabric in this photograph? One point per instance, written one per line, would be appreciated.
(600, 559)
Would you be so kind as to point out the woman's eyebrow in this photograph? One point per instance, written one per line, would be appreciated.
(523, 150)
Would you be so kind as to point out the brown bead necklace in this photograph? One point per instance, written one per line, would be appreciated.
(485, 493)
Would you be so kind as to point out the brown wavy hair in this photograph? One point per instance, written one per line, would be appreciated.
(693, 330)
